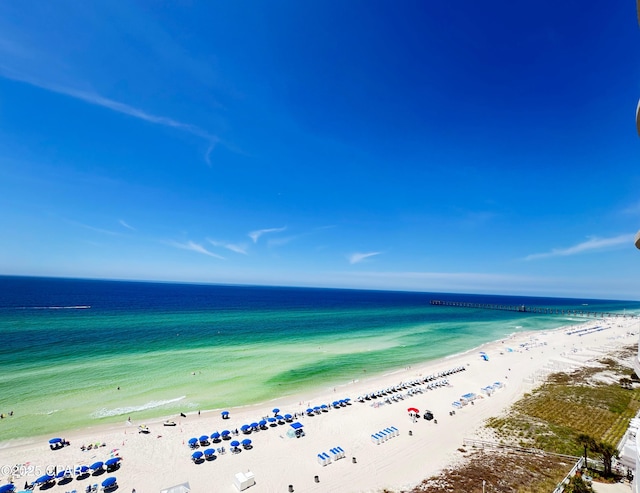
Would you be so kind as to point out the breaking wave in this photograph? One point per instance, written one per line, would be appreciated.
(118, 411)
(73, 307)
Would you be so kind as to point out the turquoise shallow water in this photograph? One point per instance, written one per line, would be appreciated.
(67, 345)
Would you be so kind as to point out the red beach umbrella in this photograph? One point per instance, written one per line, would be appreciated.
(413, 410)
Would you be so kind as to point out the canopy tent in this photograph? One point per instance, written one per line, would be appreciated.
(180, 488)
(295, 430)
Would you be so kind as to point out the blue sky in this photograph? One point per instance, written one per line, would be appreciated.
(482, 147)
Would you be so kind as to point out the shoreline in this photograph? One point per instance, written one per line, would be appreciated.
(162, 458)
(295, 396)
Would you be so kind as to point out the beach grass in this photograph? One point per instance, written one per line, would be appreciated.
(588, 401)
(499, 471)
(551, 417)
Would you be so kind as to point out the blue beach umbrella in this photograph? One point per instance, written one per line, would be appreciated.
(44, 479)
(275, 410)
(55, 440)
(61, 474)
(109, 482)
(215, 435)
(254, 425)
(204, 438)
(225, 433)
(193, 441)
(196, 455)
(225, 414)
(235, 443)
(7, 488)
(271, 420)
(81, 470)
(112, 462)
(245, 427)
(246, 442)
(324, 406)
(288, 416)
(263, 422)
(335, 403)
(96, 465)
(209, 452)
(309, 410)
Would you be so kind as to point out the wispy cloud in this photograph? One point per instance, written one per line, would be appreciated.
(356, 258)
(633, 209)
(238, 248)
(212, 145)
(98, 100)
(92, 228)
(123, 223)
(194, 247)
(255, 235)
(592, 244)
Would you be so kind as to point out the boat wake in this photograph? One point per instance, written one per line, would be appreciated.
(73, 307)
(118, 411)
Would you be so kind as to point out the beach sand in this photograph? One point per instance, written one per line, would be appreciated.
(162, 458)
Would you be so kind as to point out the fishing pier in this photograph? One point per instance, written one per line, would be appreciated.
(531, 309)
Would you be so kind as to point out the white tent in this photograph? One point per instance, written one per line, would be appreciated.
(243, 480)
(180, 488)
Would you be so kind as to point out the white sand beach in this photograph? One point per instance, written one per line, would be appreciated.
(162, 458)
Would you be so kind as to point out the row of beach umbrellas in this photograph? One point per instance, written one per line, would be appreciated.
(47, 478)
(79, 471)
(210, 452)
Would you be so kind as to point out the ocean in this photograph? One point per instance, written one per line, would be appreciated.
(77, 353)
